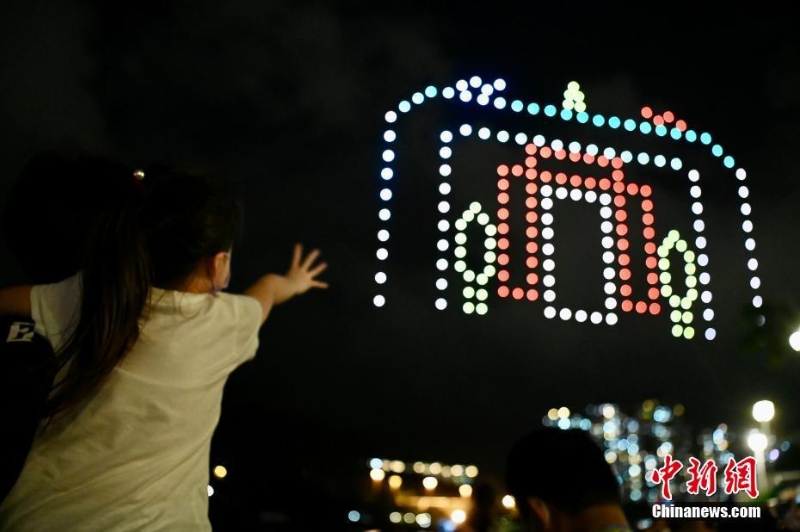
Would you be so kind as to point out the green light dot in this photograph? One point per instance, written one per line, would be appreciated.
(468, 307)
(481, 279)
(490, 243)
(469, 216)
(474, 207)
(460, 266)
(677, 331)
(482, 308)
(663, 264)
(666, 290)
(663, 251)
(692, 294)
(490, 271)
(690, 269)
(483, 218)
(675, 316)
(674, 301)
(689, 256)
(691, 281)
(491, 230)
(688, 333)
(461, 224)
(681, 245)
(460, 252)
(461, 239)
(686, 303)
(469, 276)
(468, 292)
(489, 256)
(673, 235)
(687, 317)
(482, 294)
(665, 279)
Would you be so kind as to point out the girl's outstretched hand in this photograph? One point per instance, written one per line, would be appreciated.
(303, 272)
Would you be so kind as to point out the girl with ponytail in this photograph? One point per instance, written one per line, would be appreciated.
(145, 338)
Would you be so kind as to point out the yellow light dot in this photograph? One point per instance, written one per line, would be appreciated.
(395, 481)
(430, 483)
(508, 501)
(458, 516)
(377, 474)
(220, 471)
(471, 471)
(465, 490)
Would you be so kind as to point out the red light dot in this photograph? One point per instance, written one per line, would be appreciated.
(681, 125)
(624, 259)
(502, 259)
(518, 293)
(531, 232)
(652, 278)
(530, 173)
(648, 218)
(546, 176)
(655, 309)
(622, 244)
(561, 155)
(649, 233)
(503, 291)
(561, 178)
(530, 162)
(647, 205)
(532, 278)
(605, 184)
(622, 229)
(633, 188)
(502, 243)
(531, 202)
(531, 262)
(503, 275)
(502, 184)
(641, 307)
(651, 262)
(574, 157)
(617, 175)
(617, 163)
(619, 201)
(619, 188)
(531, 188)
(645, 190)
(532, 295)
(658, 120)
(502, 228)
(621, 215)
(531, 247)
(624, 274)
(517, 170)
(653, 293)
(588, 158)
(531, 217)
(530, 149)
(647, 112)
(627, 305)
(545, 152)
(650, 248)
(502, 198)
(575, 181)
(502, 170)
(625, 290)
(590, 183)
(602, 160)
(502, 214)
(669, 117)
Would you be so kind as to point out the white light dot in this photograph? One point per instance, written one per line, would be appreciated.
(378, 301)
(441, 303)
(384, 214)
(386, 194)
(383, 235)
(565, 314)
(441, 264)
(382, 254)
(380, 277)
(389, 135)
(391, 116)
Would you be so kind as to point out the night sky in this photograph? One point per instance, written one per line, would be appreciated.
(289, 98)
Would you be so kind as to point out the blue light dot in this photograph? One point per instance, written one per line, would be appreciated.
(533, 108)
(566, 114)
(645, 127)
(661, 130)
(404, 106)
(598, 120)
(675, 133)
(550, 110)
(418, 98)
(353, 516)
(430, 91)
(728, 161)
(716, 149)
(630, 124)
(583, 117)
(642, 158)
(448, 92)
(690, 135)
(705, 138)
(614, 122)
(517, 106)
(676, 164)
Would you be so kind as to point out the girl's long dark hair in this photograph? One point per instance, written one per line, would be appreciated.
(155, 233)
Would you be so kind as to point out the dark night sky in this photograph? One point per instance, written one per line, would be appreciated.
(289, 97)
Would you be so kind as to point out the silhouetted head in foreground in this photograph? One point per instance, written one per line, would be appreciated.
(562, 482)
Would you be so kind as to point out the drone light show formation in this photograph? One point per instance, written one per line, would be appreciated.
(602, 183)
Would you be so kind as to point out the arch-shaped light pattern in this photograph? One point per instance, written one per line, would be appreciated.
(476, 92)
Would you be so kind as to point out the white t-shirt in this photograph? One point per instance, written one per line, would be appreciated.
(135, 457)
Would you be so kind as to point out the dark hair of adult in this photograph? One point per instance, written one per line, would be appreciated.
(564, 468)
(155, 232)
